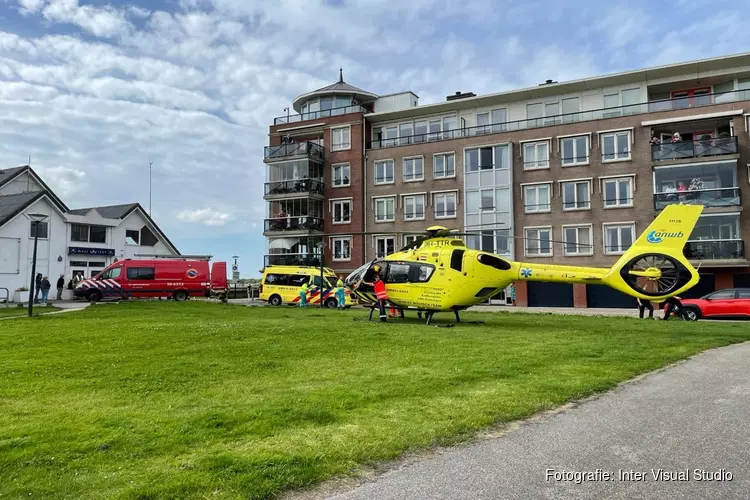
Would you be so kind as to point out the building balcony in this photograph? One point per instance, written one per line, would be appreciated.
(304, 149)
(317, 115)
(715, 250)
(717, 197)
(293, 259)
(282, 189)
(700, 148)
(292, 225)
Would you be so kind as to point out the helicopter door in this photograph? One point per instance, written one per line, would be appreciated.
(354, 279)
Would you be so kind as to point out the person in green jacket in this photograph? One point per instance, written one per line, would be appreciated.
(340, 294)
(303, 295)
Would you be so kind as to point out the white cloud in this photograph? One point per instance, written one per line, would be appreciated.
(66, 182)
(207, 216)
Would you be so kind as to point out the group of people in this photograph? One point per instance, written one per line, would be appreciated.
(674, 308)
(340, 294)
(42, 286)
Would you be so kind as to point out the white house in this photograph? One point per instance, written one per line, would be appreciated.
(81, 241)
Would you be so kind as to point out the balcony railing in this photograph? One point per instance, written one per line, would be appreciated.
(294, 187)
(292, 259)
(532, 123)
(315, 115)
(694, 149)
(304, 148)
(718, 197)
(294, 223)
(715, 249)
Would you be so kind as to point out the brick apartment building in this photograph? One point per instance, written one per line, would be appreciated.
(566, 173)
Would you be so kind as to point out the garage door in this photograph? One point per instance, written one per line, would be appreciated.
(550, 294)
(604, 296)
(742, 280)
(704, 286)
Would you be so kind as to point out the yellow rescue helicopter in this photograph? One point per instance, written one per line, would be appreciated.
(438, 273)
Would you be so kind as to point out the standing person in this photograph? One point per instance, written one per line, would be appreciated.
(37, 287)
(60, 286)
(340, 294)
(380, 293)
(643, 305)
(674, 306)
(45, 286)
(303, 295)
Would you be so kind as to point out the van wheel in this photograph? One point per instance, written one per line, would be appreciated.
(331, 303)
(180, 296)
(275, 300)
(95, 296)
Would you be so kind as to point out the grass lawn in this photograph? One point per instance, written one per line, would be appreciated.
(199, 400)
(14, 310)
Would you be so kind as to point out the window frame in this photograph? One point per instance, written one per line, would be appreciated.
(405, 196)
(435, 195)
(341, 201)
(536, 143)
(403, 168)
(526, 229)
(585, 253)
(444, 156)
(384, 237)
(562, 138)
(44, 224)
(605, 225)
(575, 181)
(614, 133)
(340, 239)
(536, 185)
(341, 165)
(602, 187)
(388, 161)
(405, 238)
(376, 199)
(348, 146)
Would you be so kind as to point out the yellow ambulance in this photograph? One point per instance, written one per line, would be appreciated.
(280, 285)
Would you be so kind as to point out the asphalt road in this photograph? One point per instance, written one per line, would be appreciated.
(691, 416)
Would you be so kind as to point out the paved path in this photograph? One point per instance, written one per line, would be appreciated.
(64, 307)
(691, 416)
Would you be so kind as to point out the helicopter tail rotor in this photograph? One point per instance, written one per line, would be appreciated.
(655, 266)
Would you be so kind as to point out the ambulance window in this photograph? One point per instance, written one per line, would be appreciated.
(277, 279)
(111, 274)
(298, 279)
(141, 273)
(398, 273)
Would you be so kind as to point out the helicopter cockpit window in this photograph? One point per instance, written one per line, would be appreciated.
(424, 273)
(398, 273)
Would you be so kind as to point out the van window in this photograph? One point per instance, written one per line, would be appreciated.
(111, 274)
(141, 273)
(316, 280)
(276, 279)
(298, 279)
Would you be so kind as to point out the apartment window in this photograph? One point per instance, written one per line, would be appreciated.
(577, 240)
(340, 138)
(576, 195)
(445, 205)
(618, 192)
(410, 238)
(575, 150)
(342, 211)
(384, 245)
(341, 175)
(385, 210)
(444, 165)
(413, 169)
(571, 108)
(384, 172)
(487, 158)
(88, 234)
(538, 242)
(618, 238)
(39, 229)
(342, 248)
(616, 146)
(414, 207)
(405, 132)
(536, 198)
(535, 155)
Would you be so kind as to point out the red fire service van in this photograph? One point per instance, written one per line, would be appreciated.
(168, 277)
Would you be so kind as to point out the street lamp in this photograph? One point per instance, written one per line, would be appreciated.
(36, 220)
(322, 247)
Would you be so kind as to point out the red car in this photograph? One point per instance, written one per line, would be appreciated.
(727, 303)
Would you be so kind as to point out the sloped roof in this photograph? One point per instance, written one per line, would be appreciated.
(7, 174)
(108, 212)
(13, 204)
(340, 87)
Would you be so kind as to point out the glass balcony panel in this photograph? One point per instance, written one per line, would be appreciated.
(699, 148)
(709, 184)
(715, 250)
(303, 148)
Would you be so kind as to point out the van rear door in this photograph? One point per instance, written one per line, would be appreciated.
(219, 276)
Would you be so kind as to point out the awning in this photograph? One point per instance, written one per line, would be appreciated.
(282, 243)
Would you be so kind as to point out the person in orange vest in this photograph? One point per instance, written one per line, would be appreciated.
(380, 293)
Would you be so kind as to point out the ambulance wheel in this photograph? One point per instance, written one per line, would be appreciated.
(95, 296)
(180, 296)
(275, 300)
(331, 303)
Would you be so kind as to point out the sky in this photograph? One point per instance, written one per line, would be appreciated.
(95, 91)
